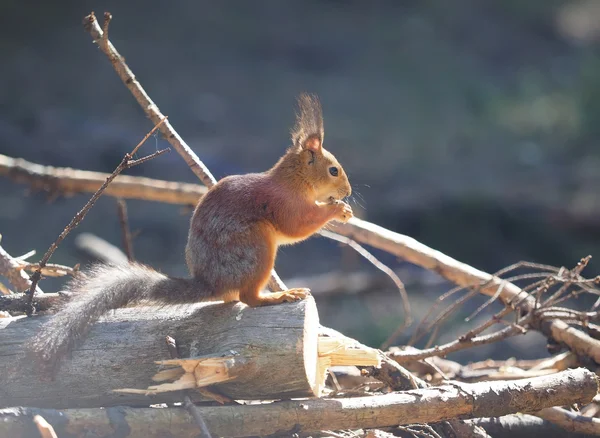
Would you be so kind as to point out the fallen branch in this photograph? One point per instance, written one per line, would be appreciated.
(417, 406)
(68, 182)
(570, 421)
(415, 252)
(522, 426)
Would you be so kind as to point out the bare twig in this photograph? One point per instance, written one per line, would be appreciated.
(126, 163)
(389, 272)
(459, 344)
(125, 231)
(51, 269)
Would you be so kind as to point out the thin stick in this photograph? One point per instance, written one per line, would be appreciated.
(100, 36)
(459, 344)
(125, 164)
(389, 272)
(125, 231)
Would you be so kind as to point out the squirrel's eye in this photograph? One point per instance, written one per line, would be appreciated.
(333, 171)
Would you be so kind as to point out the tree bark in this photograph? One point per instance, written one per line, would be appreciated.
(269, 353)
(416, 406)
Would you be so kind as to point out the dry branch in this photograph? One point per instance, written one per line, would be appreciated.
(415, 252)
(10, 269)
(578, 342)
(100, 37)
(570, 421)
(417, 406)
(66, 181)
(522, 426)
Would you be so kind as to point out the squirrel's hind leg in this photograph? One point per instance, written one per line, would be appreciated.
(250, 291)
(257, 299)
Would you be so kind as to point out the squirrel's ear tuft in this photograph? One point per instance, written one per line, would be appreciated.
(313, 143)
(308, 131)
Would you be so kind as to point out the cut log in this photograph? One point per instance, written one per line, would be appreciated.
(272, 352)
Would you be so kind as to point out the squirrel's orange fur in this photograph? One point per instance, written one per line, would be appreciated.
(233, 239)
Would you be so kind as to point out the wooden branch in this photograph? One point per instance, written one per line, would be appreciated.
(570, 421)
(100, 249)
(457, 345)
(522, 426)
(100, 37)
(285, 418)
(415, 252)
(467, 276)
(68, 182)
(578, 342)
(270, 352)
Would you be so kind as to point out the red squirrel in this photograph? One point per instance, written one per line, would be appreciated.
(234, 234)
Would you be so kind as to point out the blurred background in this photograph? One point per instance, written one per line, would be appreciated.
(470, 125)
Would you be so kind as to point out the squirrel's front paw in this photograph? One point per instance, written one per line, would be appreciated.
(343, 211)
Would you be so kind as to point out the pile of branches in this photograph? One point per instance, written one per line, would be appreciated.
(415, 392)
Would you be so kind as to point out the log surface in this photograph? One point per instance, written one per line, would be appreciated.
(273, 344)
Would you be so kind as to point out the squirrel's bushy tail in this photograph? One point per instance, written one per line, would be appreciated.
(99, 290)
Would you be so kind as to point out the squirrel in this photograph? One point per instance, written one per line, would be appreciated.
(233, 238)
